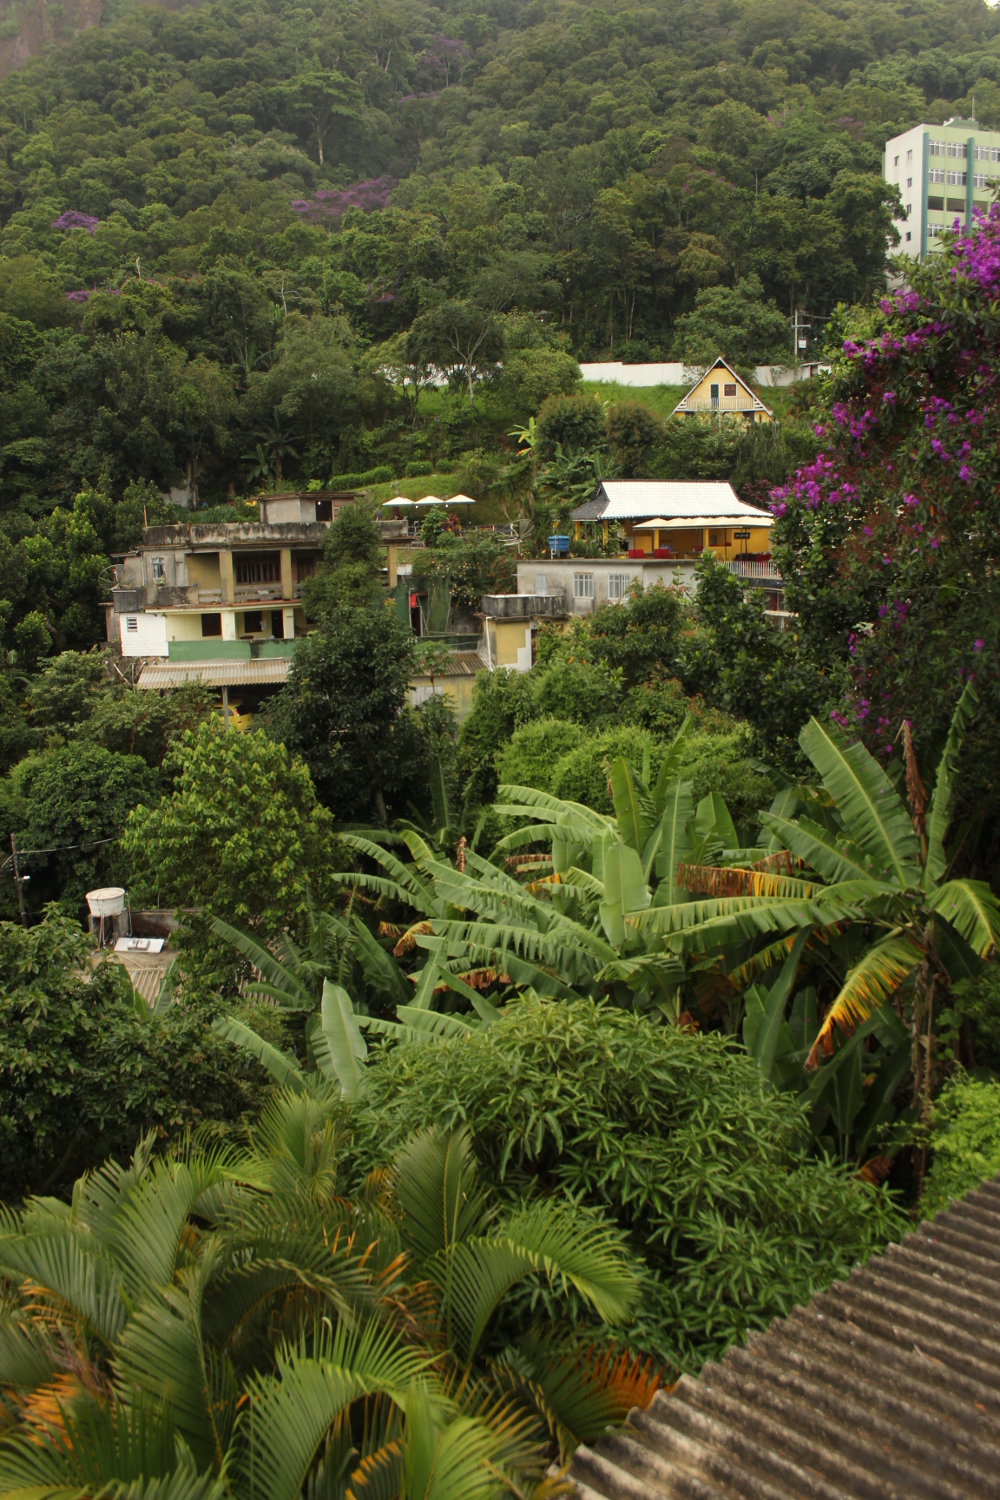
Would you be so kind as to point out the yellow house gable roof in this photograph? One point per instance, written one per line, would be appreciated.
(699, 397)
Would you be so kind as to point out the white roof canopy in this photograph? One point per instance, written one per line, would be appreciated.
(693, 523)
(699, 502)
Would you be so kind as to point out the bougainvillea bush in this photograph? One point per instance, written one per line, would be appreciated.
(890, 539)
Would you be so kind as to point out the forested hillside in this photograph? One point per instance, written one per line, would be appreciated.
(235, 238)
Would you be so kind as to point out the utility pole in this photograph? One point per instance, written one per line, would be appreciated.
(17, 880)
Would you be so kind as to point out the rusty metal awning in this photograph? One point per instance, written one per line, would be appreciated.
(269, 672)
(886, 1387)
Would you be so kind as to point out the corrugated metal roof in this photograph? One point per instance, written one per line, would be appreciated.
(146, 971)
(255, 673)
(460, 664)
(642, 499)
(885, 1387)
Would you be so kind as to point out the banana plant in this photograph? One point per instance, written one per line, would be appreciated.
(872, 882)
(214, 1322)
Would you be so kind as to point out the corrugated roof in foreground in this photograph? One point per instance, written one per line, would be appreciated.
(642, 499)
(459, 664)
(886, 1387)
(219, 673)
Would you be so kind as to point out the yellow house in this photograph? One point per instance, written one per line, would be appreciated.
(720, 389)
(677, 519)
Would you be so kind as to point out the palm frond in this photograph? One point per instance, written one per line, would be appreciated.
(284, 1069)
(721, 880)
(288, 1415)
(868, 802)
(972, 909)
(940, 813)
(839, 859)
(877, 975)
(274, 975)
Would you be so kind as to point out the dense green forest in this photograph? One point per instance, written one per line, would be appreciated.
(222, 229)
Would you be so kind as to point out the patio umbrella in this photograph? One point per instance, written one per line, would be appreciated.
(460, 500)
(399, 500)
(430, 500)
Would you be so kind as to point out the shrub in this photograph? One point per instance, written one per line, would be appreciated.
(633, 431)
(84, 1075)
(575, 422)
(530, 757)
(965, 1139)
(667, 1132)
(582, 691)
(721, 763)
(581, 775)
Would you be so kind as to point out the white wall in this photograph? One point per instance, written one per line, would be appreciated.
(677, 374)
(148, 638)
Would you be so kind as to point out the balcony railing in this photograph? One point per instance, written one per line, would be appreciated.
(720, 403)
(751, 567)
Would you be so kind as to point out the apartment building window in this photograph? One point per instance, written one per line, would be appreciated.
(158, 569)
(934, 230)
(987, 153)
(253, 622)
(909, 156)
(909, 236)
(937, 148)
(211, 624)
(907, 211)
(981, 180)
(619, 585)
(956, 148)
(583, 585)
(955, 179)
(895, 161)
(936, 174)
(936, 205)
(131, 623)
(909, 182)
(257, 569)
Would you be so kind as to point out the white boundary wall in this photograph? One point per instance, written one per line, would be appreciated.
(678, 374)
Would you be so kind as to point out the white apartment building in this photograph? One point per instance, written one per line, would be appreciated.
(943, 172)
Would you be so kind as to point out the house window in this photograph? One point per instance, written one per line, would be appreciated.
(258, 569)
(541, 583)
(583, 585)
(729, 390)
(619, 585)
(131, 623)
(324, 510)
(158, 569)
(253, 621)
(211, 624)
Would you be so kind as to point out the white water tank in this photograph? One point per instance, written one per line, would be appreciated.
(109, 901)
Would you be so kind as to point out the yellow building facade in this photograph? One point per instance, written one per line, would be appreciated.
(719, 392)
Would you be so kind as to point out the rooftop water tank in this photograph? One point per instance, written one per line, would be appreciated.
(109, 901)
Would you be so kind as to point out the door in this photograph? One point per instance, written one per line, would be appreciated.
(715, 395)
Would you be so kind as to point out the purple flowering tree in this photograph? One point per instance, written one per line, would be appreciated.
(444, 57)
(70, 219)
(330, 205)
(890, 539)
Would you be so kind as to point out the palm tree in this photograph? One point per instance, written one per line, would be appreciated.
(216, 1322)
(872, 881)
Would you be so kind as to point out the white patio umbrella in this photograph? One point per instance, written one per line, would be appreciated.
(431, 500)
(460, 500)
(399, 500)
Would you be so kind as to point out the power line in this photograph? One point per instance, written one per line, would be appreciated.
(58, 849)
